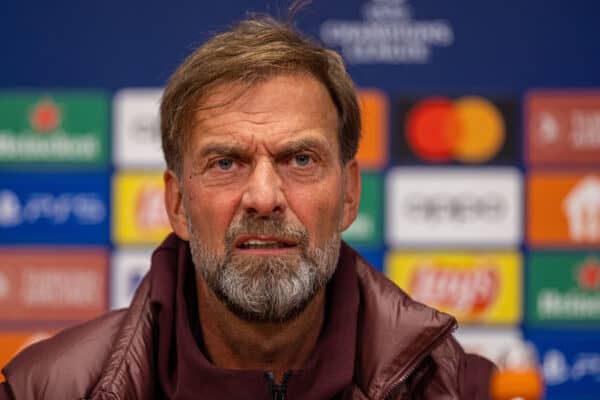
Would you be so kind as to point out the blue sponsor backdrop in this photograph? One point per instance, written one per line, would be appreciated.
(499, 48)
(54, 208)
(507, 45)
(570, 362)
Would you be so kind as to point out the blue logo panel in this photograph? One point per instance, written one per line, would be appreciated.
(54, 208)
(570, 361)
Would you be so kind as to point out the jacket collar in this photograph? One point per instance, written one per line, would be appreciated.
(327, 372)
(394, 333)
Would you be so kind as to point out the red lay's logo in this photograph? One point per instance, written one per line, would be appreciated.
(465, 291)
(475, 287)
(45, 116)
(150, 210)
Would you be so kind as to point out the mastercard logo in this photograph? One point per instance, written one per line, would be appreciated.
(467, 129)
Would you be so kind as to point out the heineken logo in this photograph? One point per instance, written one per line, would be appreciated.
(571, 305)
(45, 116)
(60, 127)
(469, 291)
(588, 275)
(564, 286)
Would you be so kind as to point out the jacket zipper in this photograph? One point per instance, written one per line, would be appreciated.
(418, 361)
(278, 392)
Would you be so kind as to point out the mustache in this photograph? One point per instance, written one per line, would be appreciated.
(250, 224)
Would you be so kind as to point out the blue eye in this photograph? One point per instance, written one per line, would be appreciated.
(302, 159)
(225, 163)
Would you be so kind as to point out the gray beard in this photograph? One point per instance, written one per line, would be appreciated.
(266, 288)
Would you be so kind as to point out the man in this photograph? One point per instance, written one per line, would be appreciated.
(254, 296)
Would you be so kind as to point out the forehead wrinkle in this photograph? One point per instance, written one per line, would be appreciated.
(239, 111)
(233, 119)
(230, 111)
(255, 131)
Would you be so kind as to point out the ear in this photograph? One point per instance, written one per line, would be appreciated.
(174, 205)
(351, 193)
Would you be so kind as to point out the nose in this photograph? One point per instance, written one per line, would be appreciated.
(263, 196)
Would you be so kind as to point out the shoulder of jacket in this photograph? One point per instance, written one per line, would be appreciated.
(463, 375)
(66, 365)
(395, 331)
(470, 373)
(128, 372)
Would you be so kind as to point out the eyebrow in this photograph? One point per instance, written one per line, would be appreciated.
(303, 144)
(240, 151)
(225, 149)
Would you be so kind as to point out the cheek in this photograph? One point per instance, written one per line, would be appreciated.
(318, 209)
(210, 214)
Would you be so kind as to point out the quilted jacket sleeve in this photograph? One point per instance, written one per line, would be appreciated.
(5, 393)
(476, 377)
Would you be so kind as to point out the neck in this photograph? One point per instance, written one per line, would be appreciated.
(234, 343)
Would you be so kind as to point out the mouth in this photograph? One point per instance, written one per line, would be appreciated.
(264, 244)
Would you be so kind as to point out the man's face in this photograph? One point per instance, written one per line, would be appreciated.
(263, 196)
